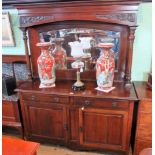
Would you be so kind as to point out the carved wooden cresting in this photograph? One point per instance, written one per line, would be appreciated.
(31, 20)
(122, 17)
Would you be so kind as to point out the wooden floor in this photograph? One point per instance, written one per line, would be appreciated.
(56, 150)
(47, 149)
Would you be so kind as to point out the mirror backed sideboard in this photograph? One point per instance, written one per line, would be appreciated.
(88, 119)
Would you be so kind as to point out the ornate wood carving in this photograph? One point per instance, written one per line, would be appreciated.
(125, 17)
(27, 54)
(130, 51)
(33, 19)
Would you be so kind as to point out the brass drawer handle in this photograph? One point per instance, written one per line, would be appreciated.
(33, 97)
(87, 102)
(56, 99)
(114, 104)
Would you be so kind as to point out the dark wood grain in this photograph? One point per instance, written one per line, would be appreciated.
(143, 91)
(143, 138)
(13, 58)
(27, 54)
(11, 115)
(103, 128)
(65, 88)
(83, 120)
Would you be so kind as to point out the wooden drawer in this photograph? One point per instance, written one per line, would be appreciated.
(10, 111)
(145, 119)
(144, 132)
(45, 98)
(145, 106)
(101, 103)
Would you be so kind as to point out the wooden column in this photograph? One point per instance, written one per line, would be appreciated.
(27, 54)
(129, 55)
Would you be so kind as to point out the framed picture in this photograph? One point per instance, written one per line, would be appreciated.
(7, 35)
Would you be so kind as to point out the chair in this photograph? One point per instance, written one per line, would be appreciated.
(14, 146)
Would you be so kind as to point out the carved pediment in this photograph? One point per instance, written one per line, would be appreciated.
(123, 17)
(29, 20)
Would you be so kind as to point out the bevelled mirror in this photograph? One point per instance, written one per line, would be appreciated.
(70, 45)
(78, 41)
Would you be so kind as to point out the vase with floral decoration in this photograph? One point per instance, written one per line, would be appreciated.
(105, 66)
(46, 66)
(59, 53)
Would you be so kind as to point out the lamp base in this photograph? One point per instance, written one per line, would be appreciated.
(77, 86)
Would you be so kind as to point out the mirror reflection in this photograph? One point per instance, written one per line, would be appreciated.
(80, 44)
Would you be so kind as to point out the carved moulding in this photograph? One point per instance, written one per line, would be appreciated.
(120, 17)
(32, 20)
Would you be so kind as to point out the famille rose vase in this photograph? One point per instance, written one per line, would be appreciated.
(105, 66)
(59, 54)
(46, 66)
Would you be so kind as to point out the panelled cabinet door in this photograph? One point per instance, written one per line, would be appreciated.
(105, 129)
(46, 120)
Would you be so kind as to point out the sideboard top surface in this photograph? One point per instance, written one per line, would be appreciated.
(65, 88)
(142, 90)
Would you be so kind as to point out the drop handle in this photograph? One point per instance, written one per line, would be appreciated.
(32, 97)
(56, 99)
(114, 104)
(87, 103)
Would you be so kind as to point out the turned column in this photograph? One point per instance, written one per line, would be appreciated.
(27, 54)
(129, 55)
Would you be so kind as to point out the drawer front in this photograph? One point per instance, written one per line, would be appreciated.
(144, 132)
(10, 111)
(146, 106)
(101, 103)
(45, 98)
(145, 119)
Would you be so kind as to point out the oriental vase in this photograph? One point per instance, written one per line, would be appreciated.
(46, 66)
(105, 66)
(59, 54)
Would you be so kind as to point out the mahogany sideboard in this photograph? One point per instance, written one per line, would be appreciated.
(143, 138)
(87, 119)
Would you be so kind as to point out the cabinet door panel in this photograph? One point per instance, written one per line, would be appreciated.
(46, 122)
(94, 128)
(103, 128)
(115, 129)
(73, 121)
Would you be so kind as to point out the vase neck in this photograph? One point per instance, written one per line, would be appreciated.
(106, 52)
(44, 52)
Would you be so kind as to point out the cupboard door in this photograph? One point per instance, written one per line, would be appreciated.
(101, 128)
(46, 121)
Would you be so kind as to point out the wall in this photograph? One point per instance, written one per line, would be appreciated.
(19, 48)
(142, 52)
